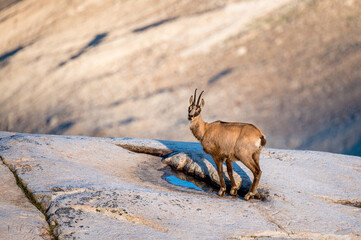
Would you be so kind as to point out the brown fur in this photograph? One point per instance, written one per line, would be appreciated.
(229, 142)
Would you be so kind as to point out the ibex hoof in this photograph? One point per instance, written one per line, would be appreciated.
(234, 191)
(221, 192)
(249, 196)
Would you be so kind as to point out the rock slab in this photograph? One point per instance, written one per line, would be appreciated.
(91, 188)
(19, 219)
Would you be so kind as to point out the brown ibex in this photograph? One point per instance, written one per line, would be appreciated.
(228, 142)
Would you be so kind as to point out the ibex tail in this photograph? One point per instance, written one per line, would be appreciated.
(263, 141)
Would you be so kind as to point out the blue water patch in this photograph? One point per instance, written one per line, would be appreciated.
(179, 182)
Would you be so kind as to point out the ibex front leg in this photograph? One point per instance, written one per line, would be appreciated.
(219, 164)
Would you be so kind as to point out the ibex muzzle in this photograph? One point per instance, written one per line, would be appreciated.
(228, 142)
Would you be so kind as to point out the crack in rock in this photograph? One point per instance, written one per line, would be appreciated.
(118, 214)
(301, 235)
(348, 202)
(31, 198)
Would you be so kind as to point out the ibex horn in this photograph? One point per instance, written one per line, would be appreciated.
(195, 96)
(199, 98)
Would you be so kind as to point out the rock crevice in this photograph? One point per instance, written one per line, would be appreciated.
(45, 232)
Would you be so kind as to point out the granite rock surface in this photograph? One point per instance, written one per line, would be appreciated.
(117, 188)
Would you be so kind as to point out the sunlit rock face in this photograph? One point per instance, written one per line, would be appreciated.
(127, 68)
(96, 188)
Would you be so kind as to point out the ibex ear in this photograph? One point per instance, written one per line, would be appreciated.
(191, 100)
(202, 103)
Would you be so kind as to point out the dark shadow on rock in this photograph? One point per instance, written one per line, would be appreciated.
(153, 25)
(339, 52)
(61, 128)
(172, 152)
(335, 129)
(24, 138)
(117, 103)
(4, 58)
(220, 75)
(7, 3)
(246, 181)
(126, 121)
(355, 149)
(93, 43)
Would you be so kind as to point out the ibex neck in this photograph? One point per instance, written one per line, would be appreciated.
(198, 127)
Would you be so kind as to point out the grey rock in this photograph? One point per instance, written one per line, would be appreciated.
(94, 189)
(19, 219)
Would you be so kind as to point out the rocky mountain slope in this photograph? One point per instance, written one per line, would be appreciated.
(92, 188)
(127, 68)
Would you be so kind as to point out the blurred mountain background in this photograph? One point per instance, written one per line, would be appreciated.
(126, 68)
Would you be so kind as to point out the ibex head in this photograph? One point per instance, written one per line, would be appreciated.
(195, 109)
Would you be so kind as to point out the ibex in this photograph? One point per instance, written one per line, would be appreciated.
(228, 142)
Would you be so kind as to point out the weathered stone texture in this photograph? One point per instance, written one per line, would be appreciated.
(92, 188)
(19, 219)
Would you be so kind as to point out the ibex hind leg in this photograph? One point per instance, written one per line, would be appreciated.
(234, 188)
(252, 162)
(255, 156)
(257, 178)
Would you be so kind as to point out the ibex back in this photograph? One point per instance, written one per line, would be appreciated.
(228, 142)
